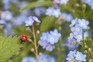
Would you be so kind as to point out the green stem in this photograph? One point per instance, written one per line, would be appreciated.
(83, 38)
(35, 43)
(83, 10)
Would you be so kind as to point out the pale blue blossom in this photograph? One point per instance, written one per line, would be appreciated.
(71, 55)
(66, 17)
(31, 20)
(76, 56)
(76, 29)
(80, 57)
(64, 1)
(53, 12)
(6, 15)
(28, 59)
(72, 44)
(48, 39)
(83, 23)
(50, 47)
(89, 2)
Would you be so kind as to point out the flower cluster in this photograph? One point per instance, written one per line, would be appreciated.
(75, 56)
(79, 29)
(48, 39)
(53, 12)
(46, 58)
(42, 58)
(6, 17)
(19, 20)
(31, 20)
(89, 2)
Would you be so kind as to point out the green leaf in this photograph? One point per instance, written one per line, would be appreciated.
(47, 23)
(36, 4)
(8, 47)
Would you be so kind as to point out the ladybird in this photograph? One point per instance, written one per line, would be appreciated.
(23, 38)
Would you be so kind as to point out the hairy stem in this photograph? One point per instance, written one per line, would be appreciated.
(35, 43)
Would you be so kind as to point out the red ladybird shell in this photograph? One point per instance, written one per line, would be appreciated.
(23, 38)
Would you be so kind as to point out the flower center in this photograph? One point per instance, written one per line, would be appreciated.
(77, 29)
(45, 43)
(83, 23)
(50, 12)
(74, 42)
(79, 36)
(74, 60)
(70, 57)
(52, 39)
(62, 17)
(49, 46)
(78, 56)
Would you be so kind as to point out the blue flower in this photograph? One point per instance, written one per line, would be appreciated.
(2, 22)
(66, 17)
(8, 29)
(86, 34)
(80, 57)
(41, 58)
(76, 29)
(43, 44)
(44, 36)
(78, 26)
(53, 37)
(48, 39)
(72, 44)
(49, 11)
(43, 40)
(73, 22)
(79, 37)
(31, 20)
(28, 59)
(36, 19)
(70, 56)
(19, 20)
(46, 58)
(53, 12)
(6, 4)
(83, 23)
(64, 1)
(56, 13)
(55, 33)
(71, 36)
(89, 2)
(6, 15)
(50, 47)
(75, 56)
(91, 5)
(86, 1)
(51, 59)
